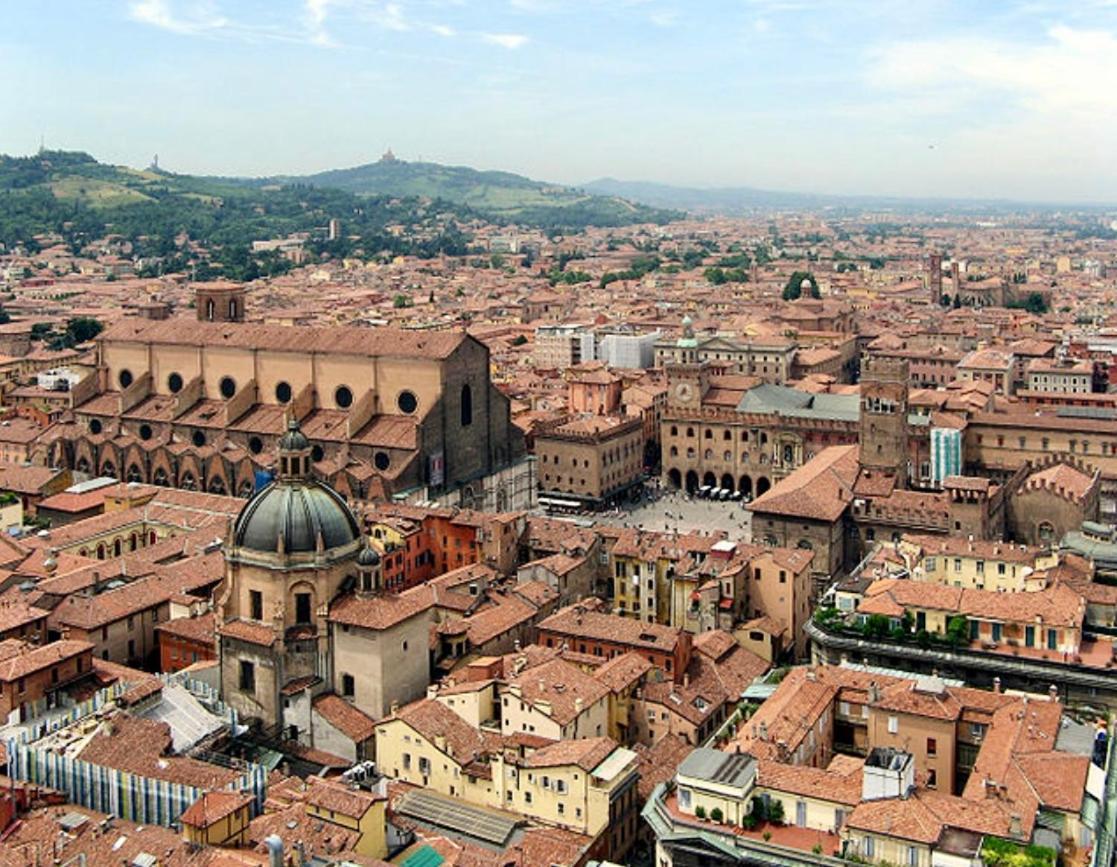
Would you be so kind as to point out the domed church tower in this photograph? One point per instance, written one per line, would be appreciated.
(295, 547)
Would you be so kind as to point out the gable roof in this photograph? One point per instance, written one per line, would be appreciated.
(819, 490)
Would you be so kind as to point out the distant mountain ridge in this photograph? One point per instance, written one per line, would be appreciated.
(497, 194)
(732, 201)
(723, 200)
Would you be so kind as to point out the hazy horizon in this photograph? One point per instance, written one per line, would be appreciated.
(938, 99)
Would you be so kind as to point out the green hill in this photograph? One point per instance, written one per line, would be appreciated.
(501, 196)
(71, 195)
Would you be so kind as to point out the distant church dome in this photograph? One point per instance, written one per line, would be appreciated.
(295, 507)
(369, 556)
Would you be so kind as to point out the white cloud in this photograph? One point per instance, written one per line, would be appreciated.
(316, 14)
(1072, 71)
(534, 6)
(505, 40)
(194, 18)
(1012, 115)
(664, 18)
(390, 16)
(443, 30)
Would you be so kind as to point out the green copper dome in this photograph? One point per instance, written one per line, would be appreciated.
(295, 508)
(299, 512)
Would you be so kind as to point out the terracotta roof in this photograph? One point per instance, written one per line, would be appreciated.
(658, 762)
(15, 613)
(1068, 481)
(622, 671)
(383, 611)
(338, 798)
(577, 621)
(351, 721)
(561, 685)
(26, 480)
(841, 785)
(142, 746)
(819, 490)
(369, 342)
(214, 806)
(245, 630)
(28, 659)
(586, 753)
(1059, 605)
(433, 721)
(200, 629)
(715, 644)
(922, 817)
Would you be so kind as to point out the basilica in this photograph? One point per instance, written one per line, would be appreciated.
(309, 645)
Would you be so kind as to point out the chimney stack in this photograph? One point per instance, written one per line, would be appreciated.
(275, 850)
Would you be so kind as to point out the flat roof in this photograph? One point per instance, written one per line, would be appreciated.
(614, 763)
(714, 766)
(92, 485)
(455, 815)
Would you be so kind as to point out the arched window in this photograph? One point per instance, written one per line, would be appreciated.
(209, 309)
(232, 308)
(467, 405)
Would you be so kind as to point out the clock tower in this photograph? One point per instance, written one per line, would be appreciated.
(687, 384)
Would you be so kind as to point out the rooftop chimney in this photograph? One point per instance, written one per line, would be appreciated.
(275, 850)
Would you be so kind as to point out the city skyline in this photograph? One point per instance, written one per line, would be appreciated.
(937, 100)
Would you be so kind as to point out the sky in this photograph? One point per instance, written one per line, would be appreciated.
(974, 98)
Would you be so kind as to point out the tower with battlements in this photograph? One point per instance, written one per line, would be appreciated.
(884, 417)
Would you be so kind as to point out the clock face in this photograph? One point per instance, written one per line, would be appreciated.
(684, 392)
